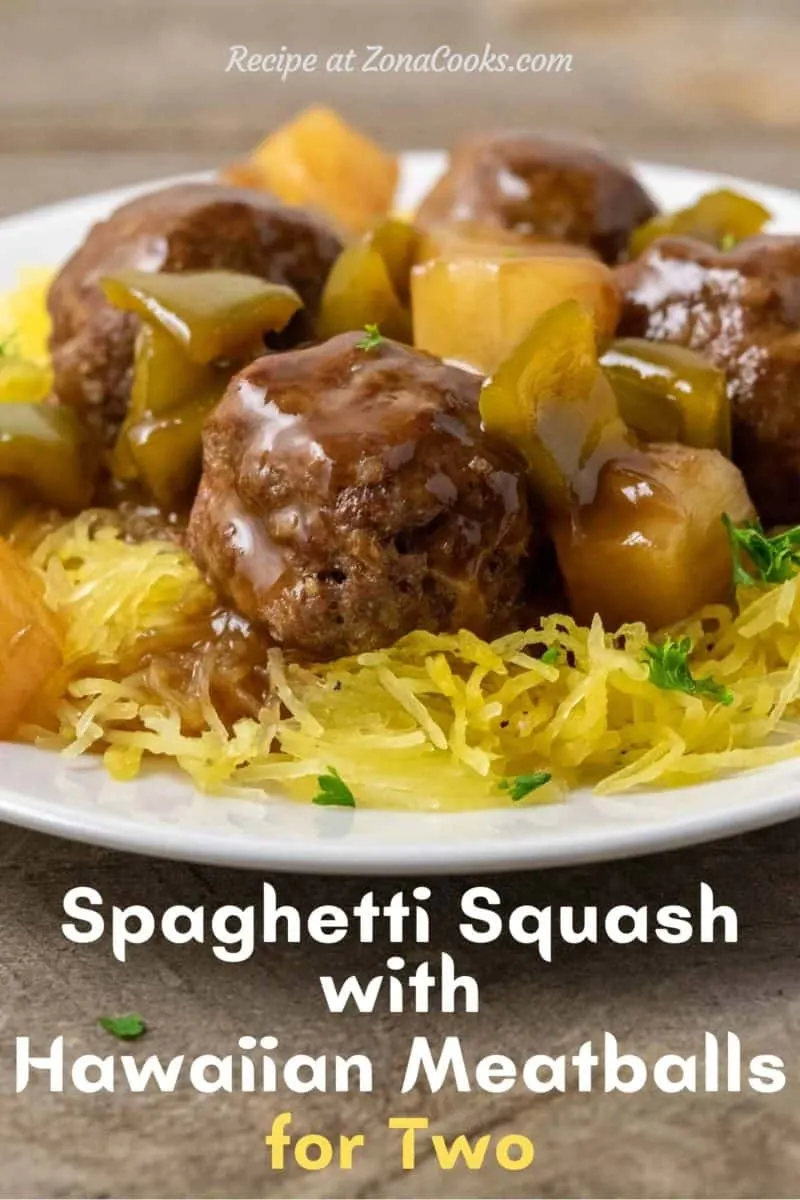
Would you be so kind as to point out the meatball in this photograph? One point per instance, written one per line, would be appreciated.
(349, 496)
(188, 227)
(550, 189)
(741, 308)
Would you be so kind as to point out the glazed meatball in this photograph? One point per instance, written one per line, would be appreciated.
(741, 308)
(542, 188)
(189, 227)
(349, 496)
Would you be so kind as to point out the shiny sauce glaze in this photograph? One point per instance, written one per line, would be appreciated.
(541, 188)
(211, 669)
(349, 495)
(651, 546)
(348, 464)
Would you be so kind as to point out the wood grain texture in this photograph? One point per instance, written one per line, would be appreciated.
(84, 84)
(655, 999)
(97, 94)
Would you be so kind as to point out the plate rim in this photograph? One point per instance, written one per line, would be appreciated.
(333, 857)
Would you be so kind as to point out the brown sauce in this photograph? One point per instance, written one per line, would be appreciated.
(218, 663)
(217, 660)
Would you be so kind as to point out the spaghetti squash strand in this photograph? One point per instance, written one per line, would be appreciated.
(435, 721)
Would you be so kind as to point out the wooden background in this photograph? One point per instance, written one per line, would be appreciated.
(99, 92)
(94, 94)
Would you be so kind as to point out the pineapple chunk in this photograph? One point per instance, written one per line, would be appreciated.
(30, 640)
(471, 239)
(651, 546)
(476, 310)
(318, 161)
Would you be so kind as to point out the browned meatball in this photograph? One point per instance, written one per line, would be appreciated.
(192, 226)
(545, 188)
(742, 309)
(349, 496)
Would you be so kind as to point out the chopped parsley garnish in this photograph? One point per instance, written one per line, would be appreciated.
(126, 1028)
(774, 559)
(551, 655)
(372, 338)
(670, 670)
(334, 791)
(523, 785)
(7, 343)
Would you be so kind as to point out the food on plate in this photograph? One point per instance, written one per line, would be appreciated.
(474, 239)
(168, 391)
(434, 721)
(668, 393)
(349, 497)
(651, 545)
(322, 163)
(369, 284)
(475, 310)
(212, 315)
(740, 309)
(187, 227)
(649, 515)
(448, 515)
(22, 380)
(45, 448)
(551, 400)
(543, 188)
(720, 218)
(30, 640)
(25, 371)
(24, 319)
(192, 323)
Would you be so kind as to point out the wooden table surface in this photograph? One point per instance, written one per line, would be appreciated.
(97, 94)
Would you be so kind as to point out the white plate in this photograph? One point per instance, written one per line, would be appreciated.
(162, 815)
